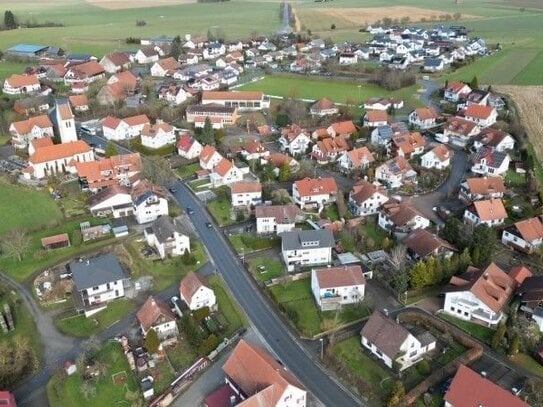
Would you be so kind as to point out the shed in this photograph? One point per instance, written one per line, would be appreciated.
(120, 231)
(56, 241)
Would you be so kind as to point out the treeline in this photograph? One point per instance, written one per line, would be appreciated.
(11, 22)
(394, 79)
(212, 1)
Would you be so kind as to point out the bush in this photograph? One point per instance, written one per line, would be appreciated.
(208, 345)
(192, 330)
(200, 314)
(188, 259)
(292, 314)
(423, 367)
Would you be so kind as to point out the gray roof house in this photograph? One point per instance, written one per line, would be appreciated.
(168, 236)
(304, 248)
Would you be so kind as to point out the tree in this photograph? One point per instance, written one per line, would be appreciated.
(207, 136)
(284, 173)
(398, 256)
(452, 230)
(464, 260)
(333, 27)
(10, 23)
(498, 336)
(280, 197)
(176, 48)
(483, 245)
(514, 345)
(152, 343)
(419, 275)
(157, 170)
(16, 243)
(474, 84)
(219, 135)
(398, 395)
(111, 149)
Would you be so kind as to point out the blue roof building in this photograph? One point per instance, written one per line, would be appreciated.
(27, 50)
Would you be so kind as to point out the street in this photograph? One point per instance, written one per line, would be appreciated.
(261, 313)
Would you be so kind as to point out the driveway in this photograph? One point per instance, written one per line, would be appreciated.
(430, 87)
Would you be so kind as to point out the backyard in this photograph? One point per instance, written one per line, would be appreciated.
(247, 243)
(265, 268)
(221, 210)
(480, 332)
(227, 307)
(188, 170)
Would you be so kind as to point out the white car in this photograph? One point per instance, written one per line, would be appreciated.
(442, 138)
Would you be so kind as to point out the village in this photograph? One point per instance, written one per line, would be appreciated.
(403, 243)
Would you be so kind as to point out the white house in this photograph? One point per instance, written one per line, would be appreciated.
(489, 162)
(165, 67)
(423, 117)
(196, 294)
(225, 173)
(157, 135)
(277, 218)
(495, 139)
(348, 58)
(479, 294)
(401, 217)
(383, 104)
(474, 189)
(173, 94)
(209, 157)
(366, 198)
(439, 158)
(406, 145)
(396, 172)
(302, 248)
(147, 56)
(246, 193)
(21, 84)
(253, 375)
(149, 201)
(115, 201)
(460, 130)
(97, 281)
(65, 122)
(525, 235)
(168, 236)
(323, 107)
(483, 116)
(455, 91)
(124, 129)
(356, 159)
(433, 65)
(254, 150)
(391, 342)
(489, 212)
(295, 140)
(188, 147)
(157, 315)
(23, 132)
(375, 118)
(314, 191)
(115, 62)
(337, 286)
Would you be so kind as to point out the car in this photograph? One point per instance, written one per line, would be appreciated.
(209, 225)
(190, 211)
(172, 190)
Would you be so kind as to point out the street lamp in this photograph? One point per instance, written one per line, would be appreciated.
(322, 347)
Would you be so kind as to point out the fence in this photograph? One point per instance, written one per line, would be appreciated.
(289, 278)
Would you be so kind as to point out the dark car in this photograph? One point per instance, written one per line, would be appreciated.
(209, 225)
(172, 190)
(190, 211)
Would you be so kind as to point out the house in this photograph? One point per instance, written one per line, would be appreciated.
(165, 67)
(422, 244)
(188, 147)
(277, 219)
(27, 50)
(460, 130)
(401, 217)
(147, 55)
(525, 235)
(366, 198)
(495, 139)
(225, 173)
(348, 58)
(294, 139)
(328, 149)
(258, 378)
(479, 294)
(423, 117)
(65, 122)
(477, 97)
(278, 160)
(80, 103)
(383, 104)
(392, 343)
(382, 135)
(55, 242)
(302, 248)
(456, 91)
(149, 201)
(155, 314)
(530, 291)
(246, 193)
(254, 150)
(471, 389)
(157, 135)
(333, 287)
(209, 157)
(483, 116)
(323, 107)
(433, 65)
(406, 145)
(115, 62)
(118, 88)
(97, 281)
(168, 237)
(244, 101)
(490, 162)
(86, 72)
(375, 118)
(439, 158)
(489, 212)
(56, 159)
(219, 116)
(356, 159)
(124, 129)
(314, 191)
(213, 50)
(115, 201)
(173, 94)
(31, 105)
(115, 170)
(474, 189)
(23, 132)
(396, 172)
(342, 129)
(21, 84)
(196, 294)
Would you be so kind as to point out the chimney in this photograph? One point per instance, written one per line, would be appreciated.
(232, 400)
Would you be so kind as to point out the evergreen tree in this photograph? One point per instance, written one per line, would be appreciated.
(111, 150)
(474, 84)
(152, 343)
(464, 261)
(514, 345)
(10, 23)
(498, 336)
(452, 230)
(483, 245)
(208, 136)
(176, 48)
(284, 173)
(419, 275)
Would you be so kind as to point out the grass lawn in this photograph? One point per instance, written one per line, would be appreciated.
(26, 208)
(356, 362)
(247, 243)
(38, 259)
(84, 327)
(68, 391)
(187, 171)
(163, 375)
(164, 272)
(7, 68)
(338, 91)
(227, 307)
(220, 210)
(372, 231)
(272, 268)
(73, 202)
(200, 184)
(512, 178)
(182, 355)
(331, 212)
(528, 362)
(480, 332)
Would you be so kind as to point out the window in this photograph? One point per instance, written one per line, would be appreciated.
(452, 309)
(466, 313)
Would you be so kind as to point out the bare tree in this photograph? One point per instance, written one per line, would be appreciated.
(16, 243)
(398, 256)
(157, 170)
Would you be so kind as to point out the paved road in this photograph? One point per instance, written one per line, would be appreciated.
(429, 88)
(261, 312)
